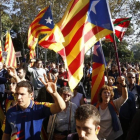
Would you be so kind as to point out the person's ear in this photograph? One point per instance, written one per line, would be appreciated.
(97, 129)
(31, 95)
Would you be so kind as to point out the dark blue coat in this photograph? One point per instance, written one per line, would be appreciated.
(128, 109)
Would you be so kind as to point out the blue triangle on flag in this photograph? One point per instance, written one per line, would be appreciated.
(98, 56)
(98, 14)
(47, 19)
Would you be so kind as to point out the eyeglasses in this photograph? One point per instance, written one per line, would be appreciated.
(66, 94)
(131, 77)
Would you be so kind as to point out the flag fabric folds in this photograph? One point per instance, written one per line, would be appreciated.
(32, 54)
(54, 41)
(98, 68)
(11, 57)
(120, 26)
(83, 24)
(42, 24)
(1, 59)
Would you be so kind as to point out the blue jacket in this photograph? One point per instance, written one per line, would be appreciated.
(2, 75)
(128, 109)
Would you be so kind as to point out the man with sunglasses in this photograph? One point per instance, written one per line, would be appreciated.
(127, 110)
(134, 88)
(24, 120)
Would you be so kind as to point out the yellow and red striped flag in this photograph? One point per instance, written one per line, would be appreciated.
(83, 24)
(1, 59)
(42, 24)
(54, 41)
(32, 54)
(11, 57)
(98, 68)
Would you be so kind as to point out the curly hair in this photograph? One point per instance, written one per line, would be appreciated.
(105, 87)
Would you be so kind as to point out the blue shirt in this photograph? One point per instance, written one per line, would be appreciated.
(26, 124)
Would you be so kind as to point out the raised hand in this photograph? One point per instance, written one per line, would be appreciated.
(50, 85)
(121, 80)
(12, 71)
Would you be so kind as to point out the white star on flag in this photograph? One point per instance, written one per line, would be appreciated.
(48, 20)
(93, 6)
(95, 49)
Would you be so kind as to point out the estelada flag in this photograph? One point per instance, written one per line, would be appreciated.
(42, 24)
(120, 26)
(11, 57)
(83, 24)
(98, 68)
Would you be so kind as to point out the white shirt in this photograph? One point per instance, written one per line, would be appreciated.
(106, 130)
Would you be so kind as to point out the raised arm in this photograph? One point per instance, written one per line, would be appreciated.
(28, 67)
(59, 104)
(12, 72)
(121, 81)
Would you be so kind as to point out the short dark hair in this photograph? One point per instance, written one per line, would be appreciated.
(24, 70)
(123, 69)
(88, 111)
(25, 84)
(54, 70)
(37, 60)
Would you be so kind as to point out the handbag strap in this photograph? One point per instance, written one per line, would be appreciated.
(52, 128)
(69, 125)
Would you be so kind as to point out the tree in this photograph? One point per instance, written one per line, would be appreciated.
(123, 52)
(23, 12)
(136, 50)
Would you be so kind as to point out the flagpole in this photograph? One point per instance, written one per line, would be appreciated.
(104, 58)
(116, 54)
(102, 50)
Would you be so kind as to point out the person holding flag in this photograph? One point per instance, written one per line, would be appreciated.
(110, 127)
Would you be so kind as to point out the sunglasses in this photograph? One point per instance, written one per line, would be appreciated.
(131, 77)
(66, 94)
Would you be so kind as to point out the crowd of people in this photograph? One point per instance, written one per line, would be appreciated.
(36, 102)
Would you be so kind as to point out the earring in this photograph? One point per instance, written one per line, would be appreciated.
(97, 131)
